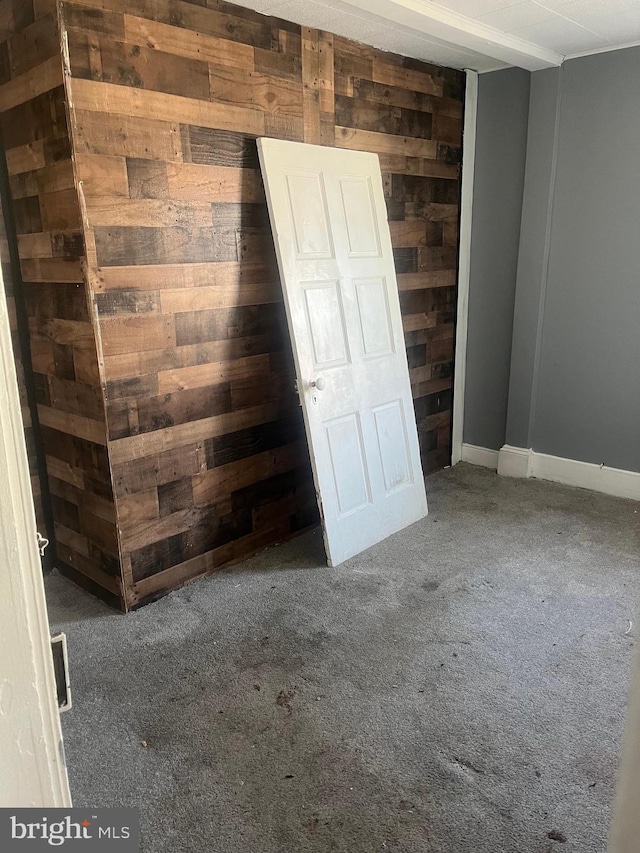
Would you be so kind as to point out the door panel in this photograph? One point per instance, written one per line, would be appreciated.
(328, 217)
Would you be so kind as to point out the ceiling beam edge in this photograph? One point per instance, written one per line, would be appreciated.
(436, 22)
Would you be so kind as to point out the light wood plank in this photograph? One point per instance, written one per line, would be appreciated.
(223, 274)
(125, 136)
(25, 158)
(384, 143)
(102, 175)
(406, 78)
(146, 104)
(195, 182)
(136, 333)
(203, 375)
(34, 245)
(148, 212)
(221, 296)
(86, 428)
(186, 42)
(32, 83)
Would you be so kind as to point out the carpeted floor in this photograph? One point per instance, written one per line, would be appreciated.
(459, 688)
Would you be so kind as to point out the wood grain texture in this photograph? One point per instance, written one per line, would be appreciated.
(23, 363)
(48, 224)
(202, 441)
(195, 352)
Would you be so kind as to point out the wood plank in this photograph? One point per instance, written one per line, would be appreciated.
(447, 129)
(411, 232)
(123, 64)
(147, 178)
(365, 115)
(134, 334)
(156, 530)
(406, 78)
(60, 210)
(450, 233)
(326, 86)
(411, 322)
(220, 296)
(210, 147)
(34, 44)
(48, 178)
(223, 274)
(36, 245)
(75, 541)
(85, 366)
(180, 435)
(26, 158)
(60, 270)
(43, 78)
(125, 136)
(189, 43)
(138, 365)
(116, 245)
(202, 375)
(236, 475)
(250, 89)
(89, 569)
(74, 333)
(102, 175)
(326, 72)
(141, 103)
(431, 386)
(203, 565)
(429, 168)
(60, 470)
(105, 210)
(81, 427)
(422, 280)
(442, 212)
(384, 143)
(310, 85)
(138, 509)
(195, 182)
(165, 467)
(94, 20)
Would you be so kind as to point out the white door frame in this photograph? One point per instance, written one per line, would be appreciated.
(32, 769)
(464, 265)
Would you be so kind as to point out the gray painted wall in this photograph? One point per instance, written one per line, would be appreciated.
(588, 390)
(533, 254)
(501, 141)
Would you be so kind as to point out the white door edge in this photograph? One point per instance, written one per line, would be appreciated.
(32, 769)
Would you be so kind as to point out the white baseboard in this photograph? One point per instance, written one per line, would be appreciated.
(515, 461)
(480, 456)
(521, 462)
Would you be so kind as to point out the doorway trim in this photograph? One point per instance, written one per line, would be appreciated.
(33, 771)
(464, 262)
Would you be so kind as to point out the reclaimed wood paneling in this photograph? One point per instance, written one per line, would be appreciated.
(62, 341)
(204, 429)
(203, 443)
(24, 373)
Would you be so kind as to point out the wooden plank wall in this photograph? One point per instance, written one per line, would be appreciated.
(209, 462)
(22, 370)
(46, 212)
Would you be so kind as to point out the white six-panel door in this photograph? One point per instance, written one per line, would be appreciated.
(329, 221)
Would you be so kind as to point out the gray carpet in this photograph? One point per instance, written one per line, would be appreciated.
(459, 688)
